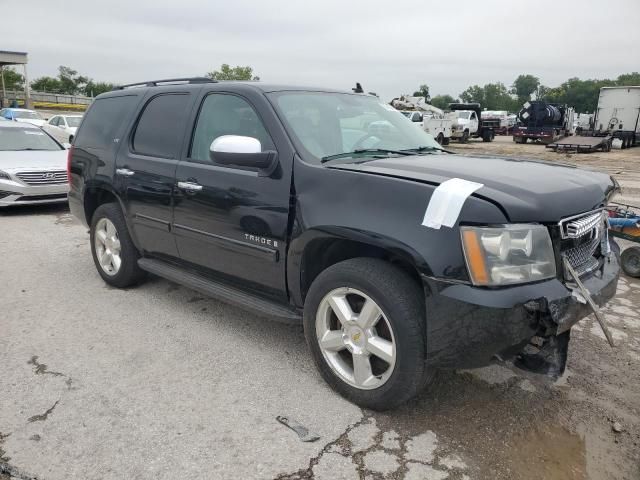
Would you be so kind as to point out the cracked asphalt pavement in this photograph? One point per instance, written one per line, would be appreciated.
(158, 382)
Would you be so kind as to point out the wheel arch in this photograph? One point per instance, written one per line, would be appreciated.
(318, 249)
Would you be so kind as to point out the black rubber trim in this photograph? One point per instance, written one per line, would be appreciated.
(220, 291)
(237, 245)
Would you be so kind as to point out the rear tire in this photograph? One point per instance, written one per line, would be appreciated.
(630, 260)
(400, 320)
(440, 138)
(113, 251)
(465, 137)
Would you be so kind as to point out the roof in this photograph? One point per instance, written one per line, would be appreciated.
(12, 58)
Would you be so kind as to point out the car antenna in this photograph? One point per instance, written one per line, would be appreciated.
(358, 88)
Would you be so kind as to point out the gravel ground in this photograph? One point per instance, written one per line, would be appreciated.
(159, 382)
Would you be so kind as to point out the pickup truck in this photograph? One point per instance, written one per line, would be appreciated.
(438, 126)
(329, 209)
(470, 123)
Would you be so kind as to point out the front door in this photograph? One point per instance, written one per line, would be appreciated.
(233, 221)
(146, 167)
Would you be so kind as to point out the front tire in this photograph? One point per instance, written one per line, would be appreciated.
(364, 322)
(113, 251)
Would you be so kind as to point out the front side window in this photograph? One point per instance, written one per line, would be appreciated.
(17, 139)
(53, 121)
(464, 115)
(327, 124)
(223, 114)
(159, 132)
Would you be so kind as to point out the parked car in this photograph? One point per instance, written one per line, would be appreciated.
(23, 115)
(397, 257)
(63, 127)
(32, 166)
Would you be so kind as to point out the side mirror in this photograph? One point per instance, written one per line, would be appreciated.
(241, 151)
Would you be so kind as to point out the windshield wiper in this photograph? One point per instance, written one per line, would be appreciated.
(427, 149)
(360, 151)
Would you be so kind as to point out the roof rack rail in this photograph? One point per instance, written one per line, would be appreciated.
(154, 83)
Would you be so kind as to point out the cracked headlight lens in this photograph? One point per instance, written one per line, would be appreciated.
(508, 255)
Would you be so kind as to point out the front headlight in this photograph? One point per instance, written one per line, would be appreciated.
(508, 255)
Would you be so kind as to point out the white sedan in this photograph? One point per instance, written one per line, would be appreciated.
(63, 127)
(33, 166)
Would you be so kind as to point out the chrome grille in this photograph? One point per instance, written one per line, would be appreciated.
(49, 177)
(583, 235)
(582, 257)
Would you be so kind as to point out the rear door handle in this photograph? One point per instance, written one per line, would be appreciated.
(189, 186)
(125, 172)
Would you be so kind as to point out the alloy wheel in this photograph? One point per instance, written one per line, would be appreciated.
(355, 338)
(107, 246)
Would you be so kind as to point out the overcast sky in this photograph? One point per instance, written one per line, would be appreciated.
(389, 46)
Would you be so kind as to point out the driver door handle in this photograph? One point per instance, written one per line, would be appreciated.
(125, 172)
(189, 186)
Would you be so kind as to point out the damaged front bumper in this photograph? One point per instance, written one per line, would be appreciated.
(467, 326)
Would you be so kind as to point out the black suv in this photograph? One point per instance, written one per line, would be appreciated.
(332, 209)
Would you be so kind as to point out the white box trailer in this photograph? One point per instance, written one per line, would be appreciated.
(618, 114)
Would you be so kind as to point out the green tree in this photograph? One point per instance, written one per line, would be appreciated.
(524, 86)
(233, 73)
(442, 101)
(492, 96)
(70, 82)
(46, 84)
(473, 94)
(423, 91)
(93, 89)
(628, 79)
(12, 79)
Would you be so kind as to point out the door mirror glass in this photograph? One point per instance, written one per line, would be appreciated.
(235, 144)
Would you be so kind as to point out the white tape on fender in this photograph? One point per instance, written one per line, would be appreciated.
(447, 201)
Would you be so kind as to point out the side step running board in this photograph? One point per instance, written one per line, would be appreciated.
(220, 291)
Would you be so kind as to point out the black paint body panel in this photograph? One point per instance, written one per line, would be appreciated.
(258, 230)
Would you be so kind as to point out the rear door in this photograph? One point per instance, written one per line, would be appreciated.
(146, 166)
(235, 223)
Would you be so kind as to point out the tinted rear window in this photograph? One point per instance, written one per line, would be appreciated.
(159, 130)
(103, 121)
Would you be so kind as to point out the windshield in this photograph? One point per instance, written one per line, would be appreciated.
(74, 121)
(464, 115)
(406, 114)
(327, 124)
(15, 138)
(29, 115)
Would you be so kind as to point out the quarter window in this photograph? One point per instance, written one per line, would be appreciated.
(223, 114)
(159, 129)
(104, 119)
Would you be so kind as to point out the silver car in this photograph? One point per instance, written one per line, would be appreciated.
(33, 166)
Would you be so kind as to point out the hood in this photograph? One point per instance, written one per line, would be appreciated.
(526, 190)
(30, 160)
(32, 121)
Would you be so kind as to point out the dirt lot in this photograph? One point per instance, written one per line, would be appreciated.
(158, 382)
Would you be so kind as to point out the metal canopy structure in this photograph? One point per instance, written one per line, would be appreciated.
(15, 58)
